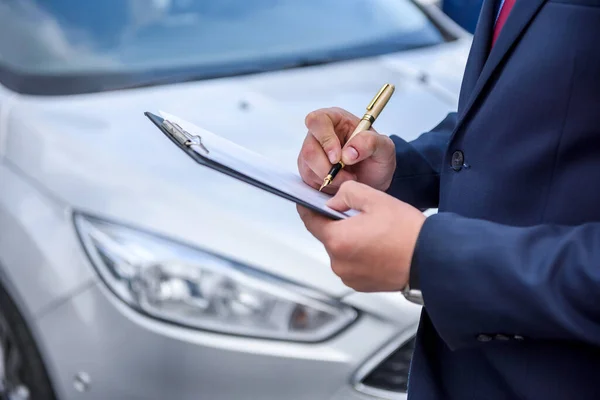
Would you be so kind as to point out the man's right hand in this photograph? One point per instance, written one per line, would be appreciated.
(370, 157)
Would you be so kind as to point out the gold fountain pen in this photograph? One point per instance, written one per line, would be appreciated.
(373, 110)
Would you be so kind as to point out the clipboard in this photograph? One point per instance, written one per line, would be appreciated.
(196, 149)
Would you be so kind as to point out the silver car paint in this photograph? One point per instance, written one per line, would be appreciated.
(98, 154)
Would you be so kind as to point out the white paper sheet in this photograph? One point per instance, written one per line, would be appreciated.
(255, 166)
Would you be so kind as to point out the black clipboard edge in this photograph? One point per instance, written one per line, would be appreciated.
(158, 121)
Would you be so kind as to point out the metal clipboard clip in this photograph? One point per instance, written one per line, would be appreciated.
(182, 136)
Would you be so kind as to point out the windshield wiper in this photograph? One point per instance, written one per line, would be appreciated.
(226, 71)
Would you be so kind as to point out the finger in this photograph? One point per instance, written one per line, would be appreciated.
(308, 175)
(313, 156)
(321, 124)
(362, 146)
(353, 195)
(329, 189)
(317, 224)
(341, 178)
(314, 181)
(344, 122)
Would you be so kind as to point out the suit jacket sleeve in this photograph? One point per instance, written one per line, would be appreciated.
(418, 164)
(479, 277)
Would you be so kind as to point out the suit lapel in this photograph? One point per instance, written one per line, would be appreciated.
(479, 49)
(521, 15)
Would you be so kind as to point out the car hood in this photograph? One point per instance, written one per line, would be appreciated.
(99, 154)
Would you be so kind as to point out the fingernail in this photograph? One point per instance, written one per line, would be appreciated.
(350, 153)
(332, 156)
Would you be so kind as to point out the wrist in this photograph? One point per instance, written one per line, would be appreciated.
(412, 289)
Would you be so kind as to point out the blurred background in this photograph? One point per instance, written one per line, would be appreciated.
(128, 271)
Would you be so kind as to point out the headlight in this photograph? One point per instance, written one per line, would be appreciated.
(188, 286)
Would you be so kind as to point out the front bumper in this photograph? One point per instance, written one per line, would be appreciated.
(130, 356)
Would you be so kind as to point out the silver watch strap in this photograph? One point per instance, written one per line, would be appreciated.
(413, 295)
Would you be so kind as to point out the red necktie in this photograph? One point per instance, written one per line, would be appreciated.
(502, 17)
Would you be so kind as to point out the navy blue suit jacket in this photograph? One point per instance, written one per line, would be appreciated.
(510, 266)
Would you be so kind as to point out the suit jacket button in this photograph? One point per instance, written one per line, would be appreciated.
(518, 337)
(502, 338)
(458, 159)
(484, 338)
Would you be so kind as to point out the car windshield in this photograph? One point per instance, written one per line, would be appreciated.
(75, 46)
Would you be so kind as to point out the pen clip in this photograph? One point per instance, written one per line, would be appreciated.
(182, 136)
(377, 96)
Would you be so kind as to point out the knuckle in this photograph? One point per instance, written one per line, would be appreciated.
(301, 157)
(311, 117)
(302, 213)
(326, 141)
(336, 245)
(308, 151)
(338, 110)
(348, 122)
(300, 165)
(338, 269)
(304, 171)
(351, 283)
(383, 145)
(341, 112)
(386, 141)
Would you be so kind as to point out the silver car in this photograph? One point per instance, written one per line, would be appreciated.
(130, 272)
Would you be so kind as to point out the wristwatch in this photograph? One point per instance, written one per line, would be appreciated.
(413, 295)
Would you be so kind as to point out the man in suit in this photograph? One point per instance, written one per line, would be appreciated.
(509, 268)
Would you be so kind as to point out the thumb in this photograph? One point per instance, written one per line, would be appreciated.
(352, 195)
(362, 146)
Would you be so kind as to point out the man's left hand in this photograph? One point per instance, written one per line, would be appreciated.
(372, 251)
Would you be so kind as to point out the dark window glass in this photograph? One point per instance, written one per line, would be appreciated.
(66, 46)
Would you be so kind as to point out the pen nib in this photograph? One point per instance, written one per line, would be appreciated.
(326, 182)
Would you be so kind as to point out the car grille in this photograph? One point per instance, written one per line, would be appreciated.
(392, 373)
